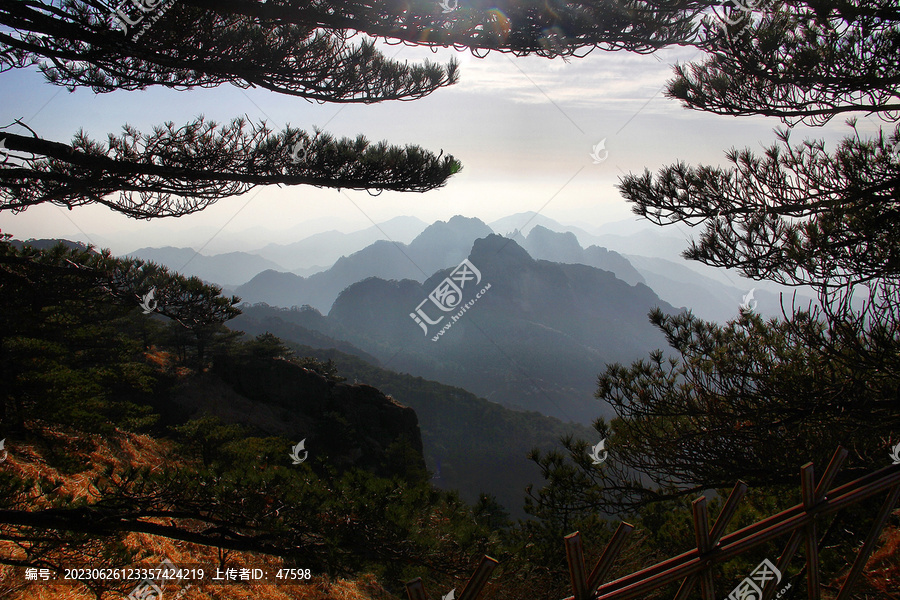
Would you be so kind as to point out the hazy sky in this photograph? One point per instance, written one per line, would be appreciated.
(523, 128)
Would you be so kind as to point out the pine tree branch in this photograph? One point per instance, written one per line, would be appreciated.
(76, 44)
(799, 62)
(545, 28)
(178, 171)
(796, 215)
(103, 523)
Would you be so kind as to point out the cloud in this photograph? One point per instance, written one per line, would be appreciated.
(599, 80)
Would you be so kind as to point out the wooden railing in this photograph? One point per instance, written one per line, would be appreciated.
(695, 567)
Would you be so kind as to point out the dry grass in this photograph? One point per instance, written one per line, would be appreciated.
(26, 460)
(882, 572)
(881, 580)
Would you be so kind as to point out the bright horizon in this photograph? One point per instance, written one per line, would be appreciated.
(523, 128)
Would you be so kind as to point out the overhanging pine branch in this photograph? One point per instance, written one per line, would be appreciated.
(76, 44)
(178, 171)
(799, 62)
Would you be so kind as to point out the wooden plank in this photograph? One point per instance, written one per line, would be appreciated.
(837, 461)
(783, 561)
(479, 579)
(575, 556)
(609, 556)
(415, 589)
(701, 536)
(813, 589)
(808, 494)
(808, 486)
(686, 587)
(727, 513)
(869, 544)
(701, 524)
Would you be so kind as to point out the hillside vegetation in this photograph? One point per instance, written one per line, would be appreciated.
(134, 435)
(471, 445)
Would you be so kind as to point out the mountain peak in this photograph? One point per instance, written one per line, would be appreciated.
(486, 250)
(447, 242)
(460, 220)
(524, 222)
(459, 226)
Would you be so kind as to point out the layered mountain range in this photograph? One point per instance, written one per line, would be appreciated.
(494, 340)
(316, 269)
(555, 314)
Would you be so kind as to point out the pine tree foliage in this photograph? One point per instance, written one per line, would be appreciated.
(176, 171)
(799, 61)
(753, 399)
(68, 334)
(186, 300)
(75, 43)
(304, 49)
(796, 214)
(520, 27)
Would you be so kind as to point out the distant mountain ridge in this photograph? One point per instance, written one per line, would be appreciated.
(323, 249)
(675, 281)
(45, 243)
(542, 243)
(440, 245)
(232, 268)
(536, 340)
(524, 222)
(631, 250)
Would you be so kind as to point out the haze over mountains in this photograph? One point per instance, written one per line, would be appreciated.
(227, 269)
(440, 245)
(322, 249)
(314, 270)
(548, 309)
(556, 313)
(535, 339)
